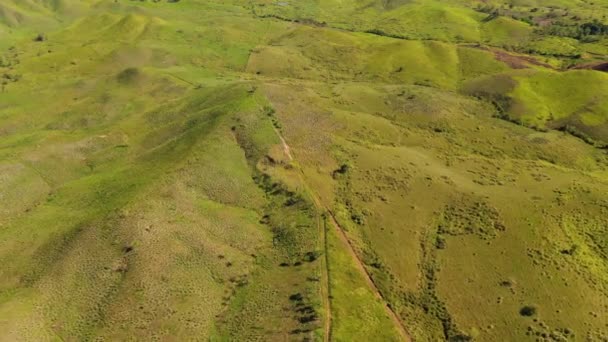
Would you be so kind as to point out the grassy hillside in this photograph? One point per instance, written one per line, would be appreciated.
(303, 170)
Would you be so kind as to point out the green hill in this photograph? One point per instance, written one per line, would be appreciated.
(303, 170)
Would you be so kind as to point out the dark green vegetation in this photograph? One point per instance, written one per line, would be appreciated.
(341, 170)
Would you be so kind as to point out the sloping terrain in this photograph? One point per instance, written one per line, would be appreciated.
(303, 170)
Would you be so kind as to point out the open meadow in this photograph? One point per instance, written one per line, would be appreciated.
(337, 170)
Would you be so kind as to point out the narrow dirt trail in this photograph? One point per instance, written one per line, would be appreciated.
(322, 242)
(368, 279)
(286, 148)
(351, 251)
(325, 282)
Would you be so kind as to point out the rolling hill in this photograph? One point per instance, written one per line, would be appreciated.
(353, 170)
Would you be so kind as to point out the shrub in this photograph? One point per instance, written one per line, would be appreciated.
(312, 256)
(128, 75)
(40, 37)
(528, 311)
(344, 168)
(296, 297)
(440, 242)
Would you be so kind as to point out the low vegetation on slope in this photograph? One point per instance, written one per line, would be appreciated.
(303, 170)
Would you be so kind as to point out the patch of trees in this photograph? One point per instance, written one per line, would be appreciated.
(490, 10)
(576, 132)
(494, 12)
(585, 32)
(487, 8)
(379, 32)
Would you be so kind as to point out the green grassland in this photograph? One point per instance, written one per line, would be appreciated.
(353, 170)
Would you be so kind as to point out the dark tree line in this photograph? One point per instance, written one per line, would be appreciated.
(578, 31)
